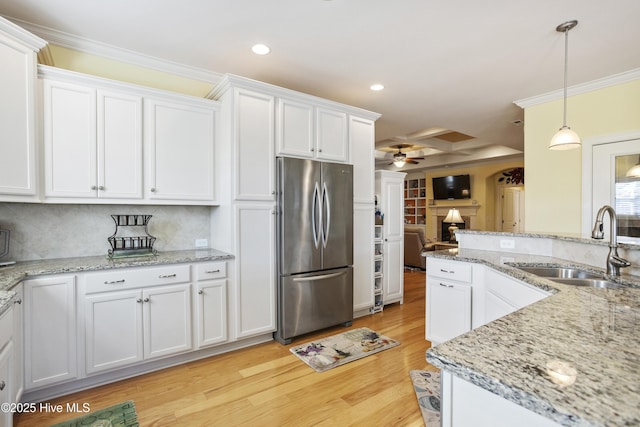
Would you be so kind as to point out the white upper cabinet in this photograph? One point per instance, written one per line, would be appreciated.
(18, 162)
(253, 135)
(92, 142)
(361, 142)
(112, 142)
(179, 142)
(306, 130)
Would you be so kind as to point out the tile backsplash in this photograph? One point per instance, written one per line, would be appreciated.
(44, 231)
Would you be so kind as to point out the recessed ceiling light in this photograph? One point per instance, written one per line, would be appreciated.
(261, 49)
(376, 87)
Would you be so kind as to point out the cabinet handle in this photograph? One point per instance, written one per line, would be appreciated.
(319, 150)
(447, 271)
(139, 300)
(93, 187)
(212, 271)
(147, 299)
(200, 292)
(152, 189)
(111, 282)
(18, 301)
(166, 276)
(101, 187)
(312, 150)
(2, 385)
(446, 286)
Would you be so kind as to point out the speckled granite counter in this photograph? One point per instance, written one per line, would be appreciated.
(13, 274)
(596, 330)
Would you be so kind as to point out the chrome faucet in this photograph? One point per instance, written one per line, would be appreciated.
(614, 261)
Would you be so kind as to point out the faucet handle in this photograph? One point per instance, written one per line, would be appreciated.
(619, 261)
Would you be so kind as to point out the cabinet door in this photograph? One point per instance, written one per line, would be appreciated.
(211, 313)
(166, 320)
(294, 128)
(50, 331)
(18, 359)
(119, 137)
(254, 134)
(255, 308)
(179, 141)
(113, 330)
(331, 135)
(495, 307)
(6, 379)
(17, 119)
(393, 268)
(69, 140)
(363, 254)
(361, 145)
(448, 310)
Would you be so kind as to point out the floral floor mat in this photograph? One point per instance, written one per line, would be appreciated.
(336, 350)
(427, 387)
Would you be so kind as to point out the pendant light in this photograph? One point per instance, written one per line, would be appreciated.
(565, 138)
(634, 171)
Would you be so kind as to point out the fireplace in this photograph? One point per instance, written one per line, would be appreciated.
(439, 229)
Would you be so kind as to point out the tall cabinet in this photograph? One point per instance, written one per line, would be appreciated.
(390, 194)
(18, 162)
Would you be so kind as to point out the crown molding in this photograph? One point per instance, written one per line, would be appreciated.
(18, 33)
(602, 83)
(92, 47)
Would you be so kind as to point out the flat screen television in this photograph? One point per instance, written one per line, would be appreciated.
(451, 187)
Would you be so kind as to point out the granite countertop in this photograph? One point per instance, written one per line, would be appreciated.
(595, 330)
(13, 274)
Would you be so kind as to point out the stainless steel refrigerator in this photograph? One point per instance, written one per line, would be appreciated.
(315, 246)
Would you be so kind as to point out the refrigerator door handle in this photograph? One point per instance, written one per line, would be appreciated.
(323, 277)
(326, 209)
(315, 221)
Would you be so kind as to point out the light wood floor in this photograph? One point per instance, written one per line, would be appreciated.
(266, 385)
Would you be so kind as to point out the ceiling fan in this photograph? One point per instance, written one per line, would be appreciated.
(400, 158)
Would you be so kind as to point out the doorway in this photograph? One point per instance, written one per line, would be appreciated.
(511, 209)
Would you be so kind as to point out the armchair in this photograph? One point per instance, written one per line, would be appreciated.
(415, 243)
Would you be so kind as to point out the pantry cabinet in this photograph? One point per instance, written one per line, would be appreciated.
(92, 142)
(19, 160)
(390, 192)
(50, 330)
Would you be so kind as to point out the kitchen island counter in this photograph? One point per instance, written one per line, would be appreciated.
(594, 330)
(13, 274)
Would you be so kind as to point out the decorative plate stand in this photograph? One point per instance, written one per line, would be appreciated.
(126, 241)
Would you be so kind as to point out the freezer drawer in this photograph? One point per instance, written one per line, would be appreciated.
(309, 302)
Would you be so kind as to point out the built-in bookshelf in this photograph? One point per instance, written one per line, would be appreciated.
(415, 201)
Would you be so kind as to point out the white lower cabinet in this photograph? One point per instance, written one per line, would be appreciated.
(449, 310)
(505, 295)
(18, 340)
(129, 326)
(6, 373)
(50, 330)
(210, 304)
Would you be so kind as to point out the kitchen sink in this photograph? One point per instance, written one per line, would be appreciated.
(594, 283)
(561, 272)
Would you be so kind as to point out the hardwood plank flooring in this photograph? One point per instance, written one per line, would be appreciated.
(266, 385)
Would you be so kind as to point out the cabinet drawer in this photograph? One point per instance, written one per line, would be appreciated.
(136, 278)
(6, 327)
(451, 270)
(211, 270)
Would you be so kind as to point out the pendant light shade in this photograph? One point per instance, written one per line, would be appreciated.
(565, 138)
(634, 171)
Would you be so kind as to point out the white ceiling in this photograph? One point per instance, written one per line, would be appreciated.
(455, 65)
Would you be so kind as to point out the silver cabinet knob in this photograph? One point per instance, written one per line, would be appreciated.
(93, 187)
(101, 187)
(200, 292)
(152, 189)
(18, 301)
(2, 385)
(147, 299)
(139, 300)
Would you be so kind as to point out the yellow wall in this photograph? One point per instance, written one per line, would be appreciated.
(74, 60)
(483, 189)
(553, 199)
